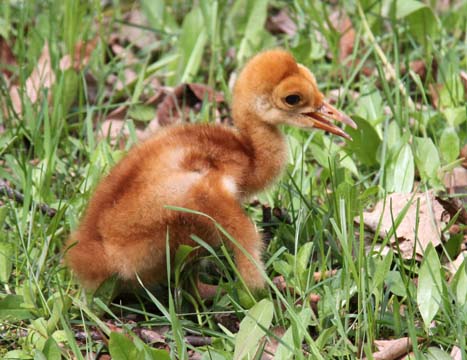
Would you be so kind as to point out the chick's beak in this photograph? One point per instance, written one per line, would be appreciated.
(323, 117)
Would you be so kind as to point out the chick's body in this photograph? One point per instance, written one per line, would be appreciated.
(205, 168)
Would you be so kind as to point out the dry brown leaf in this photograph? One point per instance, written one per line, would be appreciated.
(343, 25)
(429, 221)
(456, 181)
(454, 206)
(272, 342)
(42, 76)
(392, 349)
(418, 67)
(434, 90)
(454, 265)
(456, 353)
(135, 32)
(281, 23)
(463, 155)
(463, 76)
(334, 95)
(177, 105)
(116, 130)
(153, 336)
(7, 58)
(82, 54)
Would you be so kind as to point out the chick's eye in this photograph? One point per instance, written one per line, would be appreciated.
(293, 99)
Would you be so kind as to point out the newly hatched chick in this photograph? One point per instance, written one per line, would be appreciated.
(206, 168)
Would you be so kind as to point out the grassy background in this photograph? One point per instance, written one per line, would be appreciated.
(408, 137)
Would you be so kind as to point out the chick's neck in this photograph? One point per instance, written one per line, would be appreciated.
(268, 150)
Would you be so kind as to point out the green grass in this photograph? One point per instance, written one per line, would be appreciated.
(51, 154)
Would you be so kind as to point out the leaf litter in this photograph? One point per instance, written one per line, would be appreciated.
(421, 225)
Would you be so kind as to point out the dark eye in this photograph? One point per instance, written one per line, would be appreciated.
(293, 99)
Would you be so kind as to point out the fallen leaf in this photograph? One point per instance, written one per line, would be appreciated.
(117, 130)
(429, 221)
(463, 75)
(229, 320)
(334, 95)
(456, 180)
(455, 206)
(343, 25)
(134, 30)
(124, 53)
(42, 77)
(454, 265)
(434, 90)
(463, 155)
(7, 58)
(82, 54)
(152, 336)
(123, 81)
(177, 105)
(281, 23)
(419, 68)
(115, 121)
(392, 349)
(272, 342)
(456, 353)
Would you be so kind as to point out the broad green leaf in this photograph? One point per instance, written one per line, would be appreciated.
(303, 256)
(192, 39)
(158, 16)
(251, 328)
(434, 353)
(39, 355)
(426, 158)
(420, 18)
(293, 336)
(404, 170)
(257, 13)
(181, 255)
(148, 353)
(69, 90)
(405, 8)
(6, 261)
(393, 135)
(282, 267)
(370, 107)
(123, 348)
(394, 283)
(449, 145)
(324, 337)
(459, 284)
(455, 115)
(366, 141)
(60, 306)
(213, 355)
(429, 290)
(51, 350)
(107, 290)
(142, 113)
(194, 60)
(16, 355)
(12, 308)
(155, 354)
(381, 270)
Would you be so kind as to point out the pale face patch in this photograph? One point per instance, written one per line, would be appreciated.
(266, 111)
